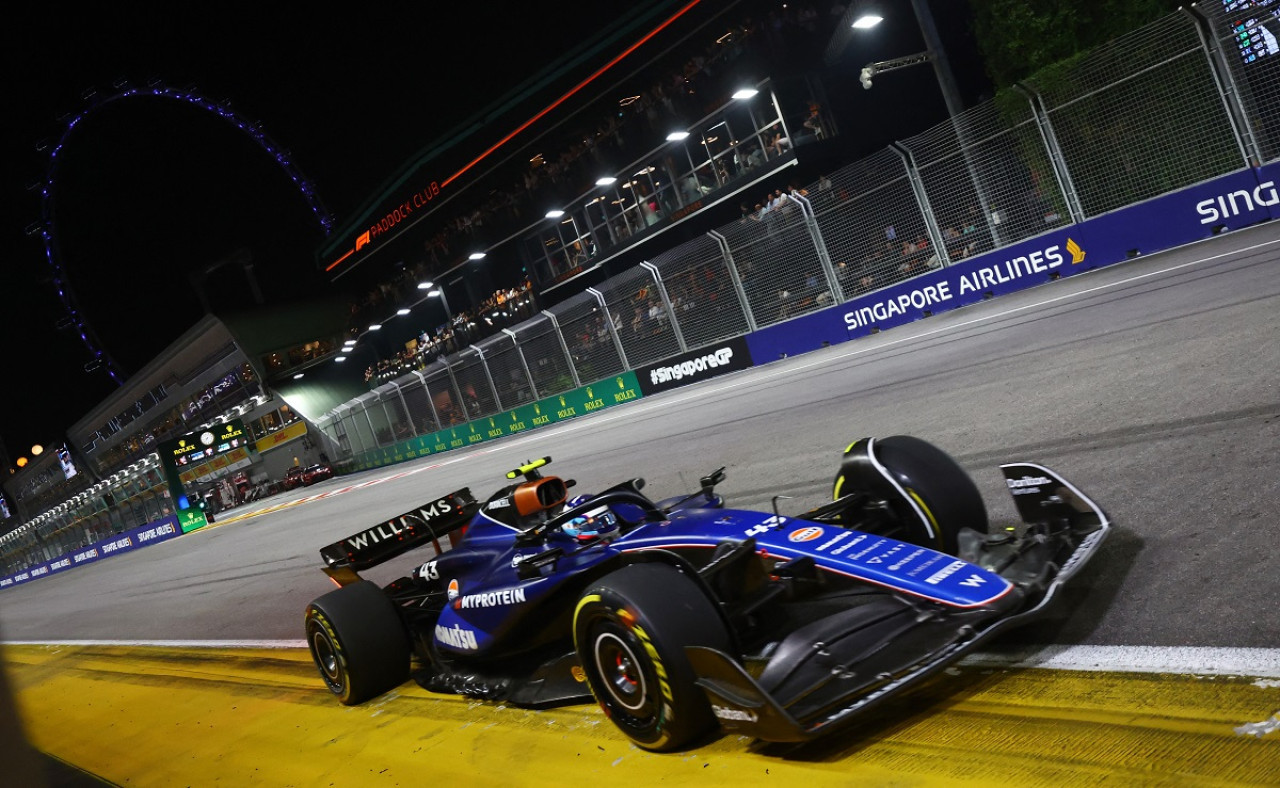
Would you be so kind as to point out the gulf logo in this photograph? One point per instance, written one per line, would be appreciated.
(453, 589)
(805, 534)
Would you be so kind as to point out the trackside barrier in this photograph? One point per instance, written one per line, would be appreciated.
(133, 539)
(1231, 202)
(576, 402)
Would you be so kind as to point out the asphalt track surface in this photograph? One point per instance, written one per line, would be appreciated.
(1151, 385)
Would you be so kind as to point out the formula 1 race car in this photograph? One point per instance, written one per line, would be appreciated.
(681, 616)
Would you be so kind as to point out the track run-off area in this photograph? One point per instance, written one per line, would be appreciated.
(1152, 385)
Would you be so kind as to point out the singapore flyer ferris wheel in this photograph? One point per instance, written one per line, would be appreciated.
(75, 317)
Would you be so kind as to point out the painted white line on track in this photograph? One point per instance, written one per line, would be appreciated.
(1194, 660)
(225, 644)
(1261, 663)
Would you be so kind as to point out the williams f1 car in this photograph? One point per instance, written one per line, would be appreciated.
(682, 616)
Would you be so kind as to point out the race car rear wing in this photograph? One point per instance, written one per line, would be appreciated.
(400, 534)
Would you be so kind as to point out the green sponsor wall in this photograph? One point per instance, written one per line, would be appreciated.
(580, 401)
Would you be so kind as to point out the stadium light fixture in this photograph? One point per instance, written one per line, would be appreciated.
(867, 21)
(676, 136)
(745, 93)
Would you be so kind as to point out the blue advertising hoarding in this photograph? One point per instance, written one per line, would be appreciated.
(1231, 202)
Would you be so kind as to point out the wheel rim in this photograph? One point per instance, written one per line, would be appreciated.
(620, 669)
(326, 657)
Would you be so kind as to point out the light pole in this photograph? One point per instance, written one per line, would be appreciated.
(866, 17)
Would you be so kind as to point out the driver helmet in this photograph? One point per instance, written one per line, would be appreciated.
(584, 527)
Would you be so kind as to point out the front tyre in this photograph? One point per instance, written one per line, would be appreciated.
(932, 497)
(358, 642)
(630, 630)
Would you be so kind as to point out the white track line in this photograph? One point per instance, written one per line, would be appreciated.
(1179, 660)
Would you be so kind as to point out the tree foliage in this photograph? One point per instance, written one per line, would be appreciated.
(1019, 37)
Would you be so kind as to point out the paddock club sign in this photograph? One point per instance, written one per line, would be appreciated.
(712, 361)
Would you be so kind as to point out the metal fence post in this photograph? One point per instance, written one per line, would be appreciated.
(524, 363)
(372, 429)
(666, 303)
(484, 364)
(737, 281)
(1227, 89)
(922, 200)
(422, 378)
(457, 391)
(1057, 161)
(613, 330)
(405, 406)
(564, 346)
(811, 222)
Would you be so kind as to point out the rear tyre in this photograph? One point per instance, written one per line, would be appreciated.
(940, 497)
(358, 642)
(630, 630)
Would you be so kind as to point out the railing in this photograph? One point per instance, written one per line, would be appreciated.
(1167, 106)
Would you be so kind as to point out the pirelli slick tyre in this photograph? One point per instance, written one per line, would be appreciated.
(630, 630)
(932, 496)
(358, 642)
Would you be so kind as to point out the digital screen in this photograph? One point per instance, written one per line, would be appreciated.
(4, 508)
(64, 459)
(1254, 27)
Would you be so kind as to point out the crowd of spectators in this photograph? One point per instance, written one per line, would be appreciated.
(500, 309)
(693, 85)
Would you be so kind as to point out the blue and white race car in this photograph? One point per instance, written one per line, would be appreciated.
(682, 617)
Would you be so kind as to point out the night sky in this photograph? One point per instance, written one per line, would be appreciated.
(151, 191)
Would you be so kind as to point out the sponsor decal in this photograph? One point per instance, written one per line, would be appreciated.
(452, 593)
(118, 544)
(729, 356)
(847, 545)
(835, 539)
(1027, 484)
(61, 563)
(973, 581)
(1225, 206)
(690, 368)
(457, 637)
(737, 715)
(927, 564)
(805, 534)
(393, 528)
(155, 533)
(507, 596)
(945, 572)
(86, 555)
(913, 556)
(937, 294)
(886, 555)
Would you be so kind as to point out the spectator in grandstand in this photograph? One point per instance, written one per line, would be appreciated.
(814, 122)
(779, 144)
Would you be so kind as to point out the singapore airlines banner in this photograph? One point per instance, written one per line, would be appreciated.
(1231, 202)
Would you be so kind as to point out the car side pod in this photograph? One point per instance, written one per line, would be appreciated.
(1064, 529)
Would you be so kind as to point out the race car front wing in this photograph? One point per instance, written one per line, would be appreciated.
(902, 646)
